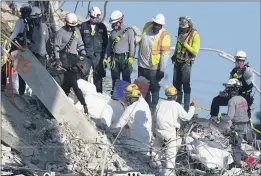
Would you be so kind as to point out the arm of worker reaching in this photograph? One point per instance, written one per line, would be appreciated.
(186, 116)
(104, 39)
(80, 44)
(125, 117)
(17, 29)
(57, 44)
(194, 48)
(230, 110)
(132, 48)
(165, 50)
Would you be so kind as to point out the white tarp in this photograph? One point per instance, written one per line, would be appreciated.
(208, 156)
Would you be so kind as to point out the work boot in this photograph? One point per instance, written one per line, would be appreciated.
(186, 101)
(85, 109)
(179, 97)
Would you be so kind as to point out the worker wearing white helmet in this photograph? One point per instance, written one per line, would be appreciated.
(238, 113)
(168, 115)
(70, 51)
(120, 49)
(186, 50)
(95, 39)
(153, 56)
(244, 74)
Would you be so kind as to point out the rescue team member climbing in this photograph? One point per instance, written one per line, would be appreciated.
(120, 49)
(153, 56)
(244, 74)
(237, 113)
(168, 114)
(18, 34)
(137, 117)
(68, 41)
(186, 50)
(95, 39)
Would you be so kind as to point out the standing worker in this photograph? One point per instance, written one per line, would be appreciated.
(95, 39)
(186, 50)
(120, 49)
(68, 41)
(238, 114)
(153, 56)
(168, 114)
(244, 74)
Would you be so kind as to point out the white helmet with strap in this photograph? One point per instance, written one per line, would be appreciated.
(233, 82)
(71, 19)
(241, 55)
(95, 12)
(35, 13)
(159, 19)
(116, 16)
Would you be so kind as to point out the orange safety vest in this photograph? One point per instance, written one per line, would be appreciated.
(160, 45)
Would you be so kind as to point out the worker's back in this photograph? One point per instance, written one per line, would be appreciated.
(237, 109)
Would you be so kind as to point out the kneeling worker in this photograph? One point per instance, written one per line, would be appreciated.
(168, 113)
(137, 117)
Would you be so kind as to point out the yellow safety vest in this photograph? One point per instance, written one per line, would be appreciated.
(161, 44)
(182, 54)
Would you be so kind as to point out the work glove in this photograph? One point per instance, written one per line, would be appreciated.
(112, 64)
(160, 75)
(85, 109)
(130, 60)
(193, 103)
(104, 63)
(82, 58)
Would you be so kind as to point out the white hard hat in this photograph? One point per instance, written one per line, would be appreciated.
(36, 12)
(95, 12)
(116, 16)
(233, 82)
(241, 55)
(71, 19)
(159, 19)
(184, 21)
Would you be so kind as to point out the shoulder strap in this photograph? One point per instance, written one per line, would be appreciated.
(67, 46)
(120, 36)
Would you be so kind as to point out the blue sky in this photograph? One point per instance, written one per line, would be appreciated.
(228, 26)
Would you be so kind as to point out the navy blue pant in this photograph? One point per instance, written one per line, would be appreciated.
(181, 77)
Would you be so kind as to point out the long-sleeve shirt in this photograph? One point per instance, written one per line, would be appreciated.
(194, 48)
(167, 115)
(145, 49)
(237, 109)
(39, 38)
(62, 38)
(125, 45)
(19, 28)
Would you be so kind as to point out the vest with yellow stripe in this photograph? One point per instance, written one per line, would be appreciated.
(182, 54)
(161, 44)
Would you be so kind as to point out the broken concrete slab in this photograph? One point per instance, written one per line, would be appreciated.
(16, 143)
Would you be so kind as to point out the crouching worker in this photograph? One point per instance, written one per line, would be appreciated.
(71, 76)
(137, 119)
(238, 114)
(168, 113)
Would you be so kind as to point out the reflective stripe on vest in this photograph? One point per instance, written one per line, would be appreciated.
(182, 53)
(157, 47)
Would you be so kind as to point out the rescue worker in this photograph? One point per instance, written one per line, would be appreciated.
(244, 74)
(71, 76)
(238, 114)
(186, 50)
(137, 118)
(37, 35)
(168, 115)
(153, 56)
(120, 49)
(68, 42)
(18, 34)
(95, 39)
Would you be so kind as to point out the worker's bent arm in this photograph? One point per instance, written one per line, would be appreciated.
(17, 29)
(195, 45)
(131, 40)
(231, 110)
(57, 43)
(105, 39)
(186, 116)
(165, 50)
(123, 119)
(80, 44)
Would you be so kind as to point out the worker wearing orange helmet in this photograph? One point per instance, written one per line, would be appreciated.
(137, 118)
(168, 113)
